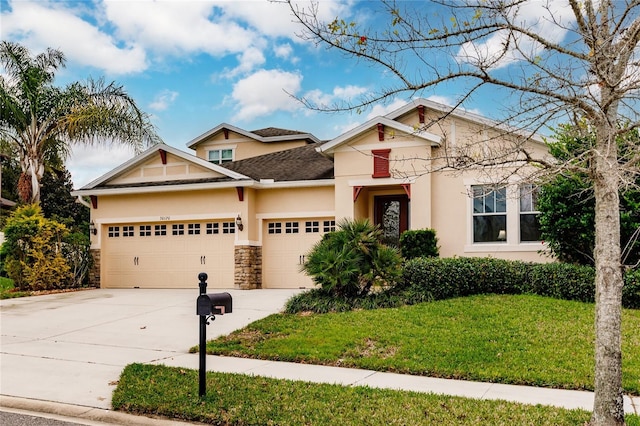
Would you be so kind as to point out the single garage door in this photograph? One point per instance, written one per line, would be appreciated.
(168, 254)
(285, 243)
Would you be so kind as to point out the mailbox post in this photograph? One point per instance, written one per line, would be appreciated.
(207, 307)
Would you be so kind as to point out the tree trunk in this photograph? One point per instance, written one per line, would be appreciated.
(608, 408)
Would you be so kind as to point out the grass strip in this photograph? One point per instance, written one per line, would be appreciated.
(524, 339)
(234, 399)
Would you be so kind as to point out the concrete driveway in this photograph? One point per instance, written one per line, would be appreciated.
(72, 347)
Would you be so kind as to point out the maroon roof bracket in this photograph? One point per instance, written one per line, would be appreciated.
(356, 192)
(240, 190)
(407, 189)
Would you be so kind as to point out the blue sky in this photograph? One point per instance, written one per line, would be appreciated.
(195, 64)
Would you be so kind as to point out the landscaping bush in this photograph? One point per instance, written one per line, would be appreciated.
(32, 251)
(419, 243)
(435, 279)
(351, 261)
(562, 281)
(631, 290)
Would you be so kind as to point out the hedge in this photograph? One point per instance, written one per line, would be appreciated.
(426, 279)
(434, 279)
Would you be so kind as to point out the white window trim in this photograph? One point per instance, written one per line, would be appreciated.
(221, 148)
(512, 244)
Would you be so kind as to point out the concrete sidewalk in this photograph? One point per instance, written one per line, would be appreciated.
(65, 352)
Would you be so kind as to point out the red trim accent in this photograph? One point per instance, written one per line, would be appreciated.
(381, 163)
(94, 201)
(380, 131)
(240, 190)
(421, 113)
(356, 192)
(407, 189)
(163, 155)
(226, 133)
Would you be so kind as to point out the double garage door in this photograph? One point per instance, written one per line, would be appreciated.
(172, 254)
(168, 254)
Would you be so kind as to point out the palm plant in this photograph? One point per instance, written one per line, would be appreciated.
(41, 121)
(351, 261)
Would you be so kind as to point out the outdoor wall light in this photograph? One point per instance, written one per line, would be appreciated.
(92, 228)
(239, 224)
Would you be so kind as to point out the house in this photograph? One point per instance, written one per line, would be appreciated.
(248, 206)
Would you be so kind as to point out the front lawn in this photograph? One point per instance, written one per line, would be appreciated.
(234, 399)
(528, 340)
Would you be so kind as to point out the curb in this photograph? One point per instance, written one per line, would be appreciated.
(80, 412)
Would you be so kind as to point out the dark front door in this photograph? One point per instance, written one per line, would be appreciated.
(392, 215)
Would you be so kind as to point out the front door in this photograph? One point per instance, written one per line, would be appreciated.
(391, 213)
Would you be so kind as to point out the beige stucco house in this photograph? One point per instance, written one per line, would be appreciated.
(247, 206)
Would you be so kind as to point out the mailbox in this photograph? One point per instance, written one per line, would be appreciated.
(214, 304)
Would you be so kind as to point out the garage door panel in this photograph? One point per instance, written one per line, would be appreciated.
(168, 257)
(285, 244)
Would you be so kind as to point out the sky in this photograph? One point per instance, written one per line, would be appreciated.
(195, 64)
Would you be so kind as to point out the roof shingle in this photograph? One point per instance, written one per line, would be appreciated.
(301, 163)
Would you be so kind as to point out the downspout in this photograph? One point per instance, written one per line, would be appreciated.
(82, 201)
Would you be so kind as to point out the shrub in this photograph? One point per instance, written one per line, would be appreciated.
(631, 290)
(419, 243)
(351, 261)
(435, 279)
(32, 250)
(76, 249)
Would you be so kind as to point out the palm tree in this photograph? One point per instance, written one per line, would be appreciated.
(41, 121)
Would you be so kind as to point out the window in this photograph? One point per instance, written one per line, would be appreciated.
(114, 231)
(489, 214)
(127, 231)
(145, 230)
(291, 227)
(213, 228)
(219, 156)
(177, 229)
(312, 226)
(529, 225)
(329, 226)
(194, 229)
(160, 230)
(380, 163)
(228, 227)
(275, 228)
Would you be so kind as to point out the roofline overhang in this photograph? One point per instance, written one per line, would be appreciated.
(202, 187)
(465, 115)
(197, 140)
(152, 151)
(329, 147)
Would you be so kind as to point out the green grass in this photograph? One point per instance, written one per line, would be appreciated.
(528, 340)
(234, 399)
(7, 290)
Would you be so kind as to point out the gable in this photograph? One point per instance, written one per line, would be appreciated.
(157, 169)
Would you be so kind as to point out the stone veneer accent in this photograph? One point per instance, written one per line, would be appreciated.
(94, 272)
(248, 267)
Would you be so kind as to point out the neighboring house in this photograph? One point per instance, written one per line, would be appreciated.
(248, 206)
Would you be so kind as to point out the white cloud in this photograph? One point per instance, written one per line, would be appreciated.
(180, 27)
(266, 92)
(87, 163)
(38, 26)
(280, 21)
(382, 110)
(552, 20)
(338, 95)
(283, 51)
(163, 100)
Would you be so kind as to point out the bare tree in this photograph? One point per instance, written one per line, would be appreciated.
(569, 61)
